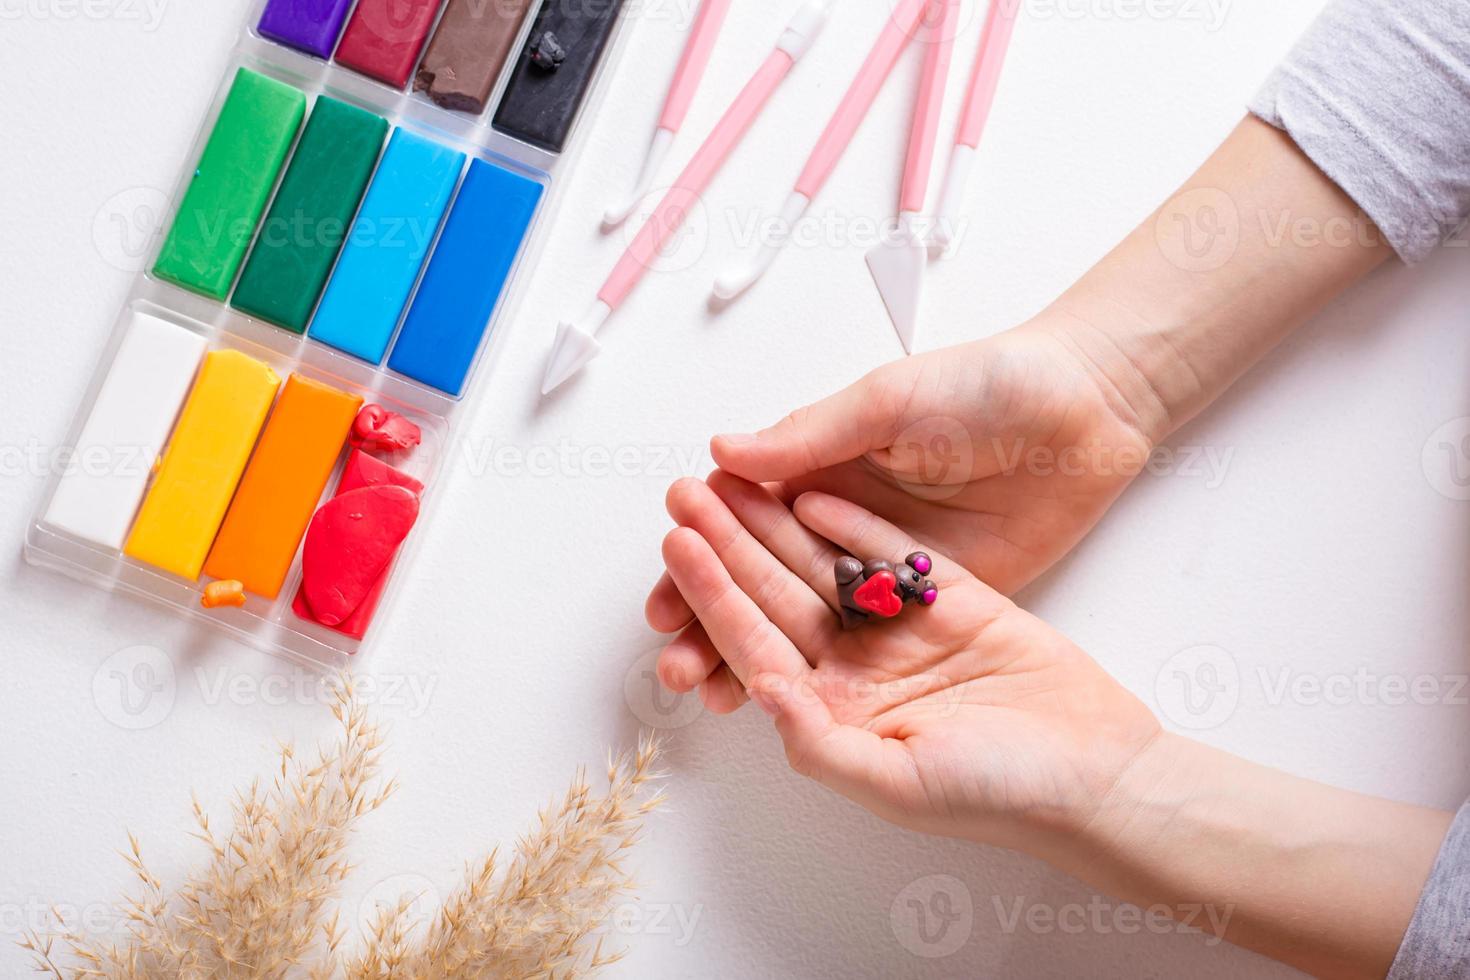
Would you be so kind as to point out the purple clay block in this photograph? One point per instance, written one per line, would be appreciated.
(312, 26)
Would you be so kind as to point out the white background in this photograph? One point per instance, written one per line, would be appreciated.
(1332, 546)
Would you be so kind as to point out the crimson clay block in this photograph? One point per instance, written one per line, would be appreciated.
(385, 37)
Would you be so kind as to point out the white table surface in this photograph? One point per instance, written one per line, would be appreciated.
(1327, 562)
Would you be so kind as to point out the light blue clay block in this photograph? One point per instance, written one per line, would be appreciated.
(390, 238)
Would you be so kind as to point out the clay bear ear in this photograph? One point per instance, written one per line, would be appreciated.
(848, 570)
(920, 563)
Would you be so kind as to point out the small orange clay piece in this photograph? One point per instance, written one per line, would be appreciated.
(228, 593)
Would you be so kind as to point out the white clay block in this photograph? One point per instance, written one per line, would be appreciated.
(131, 419)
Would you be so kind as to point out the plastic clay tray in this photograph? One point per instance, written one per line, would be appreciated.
(196, 317)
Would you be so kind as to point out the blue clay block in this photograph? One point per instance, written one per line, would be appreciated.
(380, 264)
(454, 304)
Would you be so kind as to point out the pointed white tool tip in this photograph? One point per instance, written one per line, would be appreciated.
(898, 269)
(573, 350)
(906, 332)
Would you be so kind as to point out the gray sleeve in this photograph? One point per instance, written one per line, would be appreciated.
(1377, 94)
(1437, 945)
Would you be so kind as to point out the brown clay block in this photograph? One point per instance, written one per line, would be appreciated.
(464, 60)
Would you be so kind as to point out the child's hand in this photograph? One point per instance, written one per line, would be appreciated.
(969, 718)
(1003, 453)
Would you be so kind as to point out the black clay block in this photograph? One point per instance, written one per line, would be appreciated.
(554, 70)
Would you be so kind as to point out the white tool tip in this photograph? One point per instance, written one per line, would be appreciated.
(658, 150)
(615, 216)
(732, 284)
(573, 350)
(898, 269)
(941, 238)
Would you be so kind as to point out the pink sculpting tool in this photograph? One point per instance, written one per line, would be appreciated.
(576, 341)
(697, 51)
(898, 264)
(995, 41)
(895, 37)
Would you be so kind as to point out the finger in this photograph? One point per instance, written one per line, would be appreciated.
(688, 660)
(746, 638)
(722, 694)
(852, 761)
(859, 419)
(666, 610)
(771, 523)
(866, 536)
(784, 596)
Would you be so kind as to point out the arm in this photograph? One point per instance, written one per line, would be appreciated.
(1370, 112)
(1320, 878)
(973, 719)
(1256, 242)
(1028, 746)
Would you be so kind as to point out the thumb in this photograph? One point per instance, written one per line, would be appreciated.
(861, 418)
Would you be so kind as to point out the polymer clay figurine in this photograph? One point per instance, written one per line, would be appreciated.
(880, 590)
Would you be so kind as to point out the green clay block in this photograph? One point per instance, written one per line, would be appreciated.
(232, 184)
(299, 242)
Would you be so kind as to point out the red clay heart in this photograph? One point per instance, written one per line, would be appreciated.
(350, 542)
(879, 596)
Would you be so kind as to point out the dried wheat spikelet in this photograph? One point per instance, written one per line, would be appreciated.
(263, 906)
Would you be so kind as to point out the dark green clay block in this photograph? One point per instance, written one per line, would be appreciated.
(299, 242)
(232, 184)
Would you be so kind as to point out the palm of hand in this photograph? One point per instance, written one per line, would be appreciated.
(1000, 719)
(968, 718)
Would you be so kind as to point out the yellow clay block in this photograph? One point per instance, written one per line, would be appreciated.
(203, 463)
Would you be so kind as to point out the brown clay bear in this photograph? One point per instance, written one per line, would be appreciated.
(880, 590)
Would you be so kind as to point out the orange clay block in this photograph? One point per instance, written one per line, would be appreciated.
(283, 485)
(203, 462)
(217, 594)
